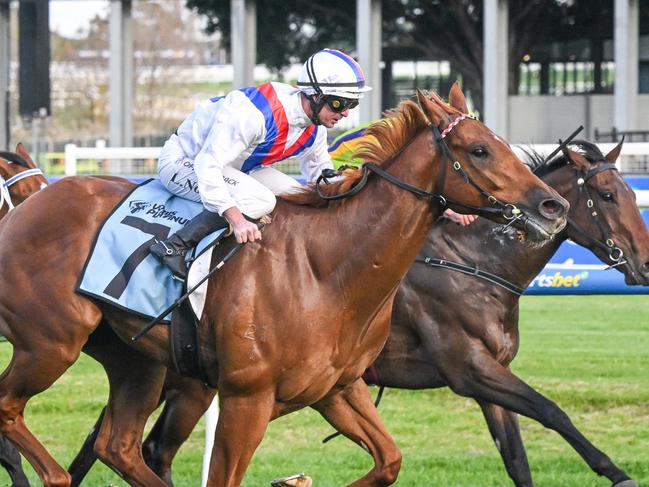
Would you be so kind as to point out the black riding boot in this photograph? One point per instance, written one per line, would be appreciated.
(171, 252)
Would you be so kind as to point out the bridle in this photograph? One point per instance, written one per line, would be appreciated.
(615, 253)
(508, 211)
(5, 184)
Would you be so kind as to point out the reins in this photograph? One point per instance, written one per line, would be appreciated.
(615, 253)
(508, 211)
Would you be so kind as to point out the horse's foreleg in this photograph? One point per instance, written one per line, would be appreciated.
(86, 457)
(487, 380)
(186, 400)
(10, 460)
(352, 412)
(134, 394)
(27, 375)
(504, 429)
(239, 430)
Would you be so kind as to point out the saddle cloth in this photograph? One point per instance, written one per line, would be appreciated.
(121, 271)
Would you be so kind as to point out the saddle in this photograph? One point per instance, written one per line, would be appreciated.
(119, 269)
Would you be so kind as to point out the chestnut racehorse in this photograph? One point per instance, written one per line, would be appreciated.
(20, 177)
(447, 342)
(268, 352)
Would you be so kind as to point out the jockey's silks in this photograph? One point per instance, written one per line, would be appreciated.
(273, 148)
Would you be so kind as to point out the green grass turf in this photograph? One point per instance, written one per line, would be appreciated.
(587, 353)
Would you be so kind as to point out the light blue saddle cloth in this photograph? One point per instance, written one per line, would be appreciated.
(120, 270)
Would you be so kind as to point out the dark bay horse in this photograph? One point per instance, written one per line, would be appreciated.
(458, 330)
(268, 352)
(438, 339)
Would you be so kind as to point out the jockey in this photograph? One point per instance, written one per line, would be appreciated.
(221, 154)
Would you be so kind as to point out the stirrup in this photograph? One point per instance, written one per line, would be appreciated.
(177, 265)
(172, 257)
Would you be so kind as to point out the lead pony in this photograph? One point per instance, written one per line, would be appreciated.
(268, 352)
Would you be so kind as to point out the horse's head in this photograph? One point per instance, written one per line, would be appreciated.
(484, 175)
(19, 178)
(603, 213)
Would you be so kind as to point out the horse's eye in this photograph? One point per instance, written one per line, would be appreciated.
(608, 196)
(479, 152)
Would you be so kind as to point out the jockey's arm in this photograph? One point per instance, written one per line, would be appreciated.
(316, 158)
(235, 129)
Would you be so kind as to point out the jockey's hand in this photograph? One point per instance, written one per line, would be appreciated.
(244, 230)
(458, 218)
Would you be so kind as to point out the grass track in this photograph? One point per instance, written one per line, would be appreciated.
(590, 354)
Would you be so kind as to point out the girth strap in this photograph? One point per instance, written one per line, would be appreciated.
(184, 342)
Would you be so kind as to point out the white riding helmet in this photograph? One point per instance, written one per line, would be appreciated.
(331, 72)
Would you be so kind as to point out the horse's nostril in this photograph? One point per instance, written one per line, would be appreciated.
(552, 208)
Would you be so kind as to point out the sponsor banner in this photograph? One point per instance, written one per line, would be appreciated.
(576, 270)
(637, 182)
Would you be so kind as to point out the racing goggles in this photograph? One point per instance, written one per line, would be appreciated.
(338, 104)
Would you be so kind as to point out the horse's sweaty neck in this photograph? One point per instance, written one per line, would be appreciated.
(383, 226)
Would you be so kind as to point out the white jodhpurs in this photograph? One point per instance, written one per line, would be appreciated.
(254, 193)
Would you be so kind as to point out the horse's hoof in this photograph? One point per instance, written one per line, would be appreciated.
(298, 480)
(626, 483)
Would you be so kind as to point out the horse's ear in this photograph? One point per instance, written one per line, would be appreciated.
(615, 152)
(433, 110)
(456, 98)
(22, 152)
(576, 158)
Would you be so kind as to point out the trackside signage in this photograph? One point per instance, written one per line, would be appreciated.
(576, 270)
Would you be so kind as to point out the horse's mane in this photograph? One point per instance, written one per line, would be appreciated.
(13, 157)
(534, 160)
(390, 135)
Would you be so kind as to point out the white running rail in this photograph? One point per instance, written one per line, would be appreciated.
(73, 154)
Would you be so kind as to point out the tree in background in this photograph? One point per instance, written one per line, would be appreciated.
(166, 34)
(288, 30)
(424, 29)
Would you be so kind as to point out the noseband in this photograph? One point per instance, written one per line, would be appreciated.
(5, 184)
(615, 253)
(506, 210)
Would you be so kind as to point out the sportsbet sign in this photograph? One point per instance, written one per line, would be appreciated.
(575, 270)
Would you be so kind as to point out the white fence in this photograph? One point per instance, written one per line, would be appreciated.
(74, 154)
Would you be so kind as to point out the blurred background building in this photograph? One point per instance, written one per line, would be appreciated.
(532, 69)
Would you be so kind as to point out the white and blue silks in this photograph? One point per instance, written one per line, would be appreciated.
(120, 270)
